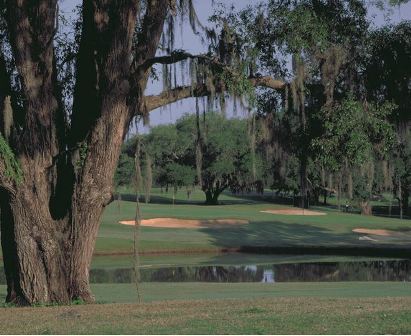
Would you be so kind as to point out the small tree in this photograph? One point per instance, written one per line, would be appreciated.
(362, 193)
(178, 175)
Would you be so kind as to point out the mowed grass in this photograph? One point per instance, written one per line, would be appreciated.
(334, 229)
(286, 315)
(225, 308)
(171, 291)
(163, 291)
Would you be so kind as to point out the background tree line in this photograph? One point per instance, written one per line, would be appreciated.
(341, 125)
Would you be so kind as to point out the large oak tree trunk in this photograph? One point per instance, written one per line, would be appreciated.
(51, 209)
(36, 264)
(47, 259)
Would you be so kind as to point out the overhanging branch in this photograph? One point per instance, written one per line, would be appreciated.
(177, 56)
(176, 94)
(268, 82)
(201, 90)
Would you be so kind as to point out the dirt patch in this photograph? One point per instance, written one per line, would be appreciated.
(188, 223)
(377, 232)
(295, 212)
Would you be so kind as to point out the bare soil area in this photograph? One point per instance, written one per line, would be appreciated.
(295, 212)
(188, 223)
(377, 232)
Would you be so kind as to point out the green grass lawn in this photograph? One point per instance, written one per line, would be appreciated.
(164, 291)
(221, 308)
(334, 229)
(261, 314)
(126, 293)
(225, 308)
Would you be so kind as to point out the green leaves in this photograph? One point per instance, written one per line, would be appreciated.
(226, 152)
(179, 175)
(355, 131)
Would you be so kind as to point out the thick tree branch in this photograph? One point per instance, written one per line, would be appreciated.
(201, 90)
(268, 82)
(148, 40)
(152, 28)
(176, 94)
(31, 29)
(177, 56)
(102, 61)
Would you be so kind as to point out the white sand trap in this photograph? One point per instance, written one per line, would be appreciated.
(379, 232)
(367, 238)
(188, 223)
(295, 212)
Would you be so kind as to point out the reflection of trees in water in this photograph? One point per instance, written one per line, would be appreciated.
(347, 271)
(397, 270)
(120, 275)
(206, 274)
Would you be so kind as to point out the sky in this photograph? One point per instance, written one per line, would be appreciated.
(190, 42)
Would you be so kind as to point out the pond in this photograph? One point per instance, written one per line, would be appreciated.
(374, 270)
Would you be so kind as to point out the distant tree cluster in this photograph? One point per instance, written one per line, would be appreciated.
(226, 160)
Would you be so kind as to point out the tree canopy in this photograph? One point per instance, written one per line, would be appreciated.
(227, 160)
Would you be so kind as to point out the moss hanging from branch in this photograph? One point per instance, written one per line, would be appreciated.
(199, 144)
(137, 219)
(253, 143)
(148, 178)
(138, 179)
(387, 174)
(298, 88)
(186, 8)
(331, 62)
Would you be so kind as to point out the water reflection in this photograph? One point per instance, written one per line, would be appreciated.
(390, 270)
(268, 276)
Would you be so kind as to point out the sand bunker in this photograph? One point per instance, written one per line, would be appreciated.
(379, 232)
(295, 212)
(188, 223)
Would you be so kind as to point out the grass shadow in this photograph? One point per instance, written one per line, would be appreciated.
(293, 238)
(166, 200)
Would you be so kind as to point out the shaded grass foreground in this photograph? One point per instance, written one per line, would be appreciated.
(257, 316)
